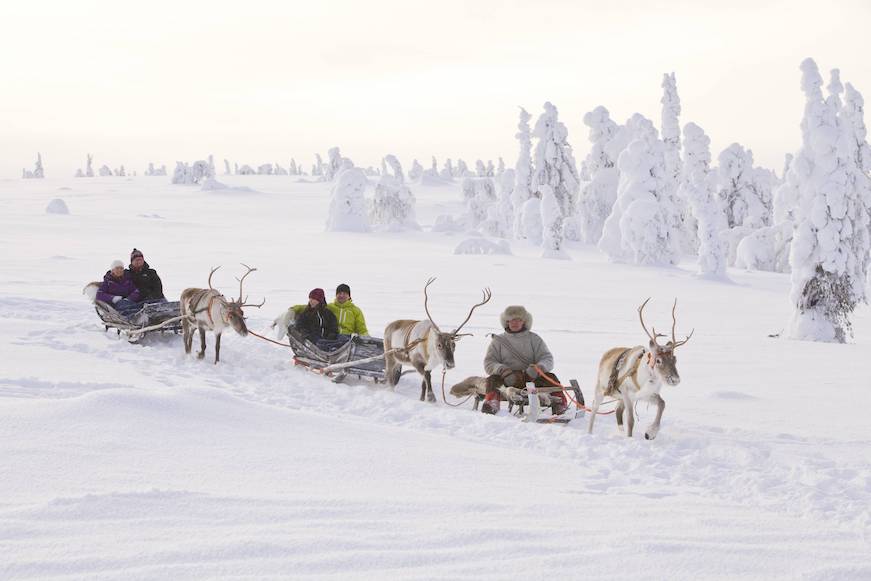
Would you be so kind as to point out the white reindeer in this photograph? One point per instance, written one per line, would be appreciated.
(631, 374)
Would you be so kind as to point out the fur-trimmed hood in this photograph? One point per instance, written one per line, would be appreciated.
(516, 312)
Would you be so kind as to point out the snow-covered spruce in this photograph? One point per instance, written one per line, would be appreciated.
(265, 169)
(765, 248)
(555, 167)
(552, 222)
(698, 187)
(530, 221)
(523, 172)
(38, 171)
(638, 229)
(599, 176)
(416, 171)
(684, 226)
(478, 195)
(829, 255)
(500, 215)
(745, 193)
(347, 203)
(392, 206)
(193, 174)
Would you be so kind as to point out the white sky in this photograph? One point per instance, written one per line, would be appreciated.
(260, 82)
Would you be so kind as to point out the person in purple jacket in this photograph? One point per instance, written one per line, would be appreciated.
(118, 290)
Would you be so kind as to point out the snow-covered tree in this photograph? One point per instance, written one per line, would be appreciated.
(392, 207)
(38, 171)
(79, 173)
(523, 172)
(347, 204)
(89, 169)
(552, 221)
(530, 221)
(279, 171)
(638, 230)
(447, 172)
(500, 215)
(500, 168)
(480, 169)
(212, 170)
(120, 172)
(293, 169)
(235, 168)
(830, 250)
(491, 169)
(334, 164)
(246, 170)
(416, 170)
(226, 167)
(318, 167)
(554, 162)
(745, 202)
(599, 174)
(478, 194)
(671, 126)
(265, 169)
(462, 170)
(105, 171)
(698, 187)
(193, 174)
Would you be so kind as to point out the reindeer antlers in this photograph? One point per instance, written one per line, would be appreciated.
(426, 300)
(210, 277)
(487, 296)
(241, 280)
(674, 343)
(456, 332)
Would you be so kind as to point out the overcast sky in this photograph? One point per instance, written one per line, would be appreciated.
(258, 82)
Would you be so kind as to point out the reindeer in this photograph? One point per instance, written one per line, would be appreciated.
(422, 345)
(630, 374)
(207, 309)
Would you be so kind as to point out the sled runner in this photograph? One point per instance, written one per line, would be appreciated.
(520, 404)
(360, 356)
(152, 317)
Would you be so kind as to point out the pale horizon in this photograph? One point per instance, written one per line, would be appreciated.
(163, 82)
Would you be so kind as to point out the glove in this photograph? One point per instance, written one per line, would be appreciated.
(531, 372)
(116, 299)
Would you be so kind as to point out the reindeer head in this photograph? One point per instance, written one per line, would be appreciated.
(663, 361)
(235, 316)
(446, 342)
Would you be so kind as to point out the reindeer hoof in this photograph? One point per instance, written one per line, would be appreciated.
(200, 355)
(650, 434)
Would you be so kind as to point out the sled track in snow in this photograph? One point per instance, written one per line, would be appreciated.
(781, 473)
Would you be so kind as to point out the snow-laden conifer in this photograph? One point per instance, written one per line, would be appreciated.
(830, 250)
(347, 204)
(523, 172)
(698, 187)
(599, 174)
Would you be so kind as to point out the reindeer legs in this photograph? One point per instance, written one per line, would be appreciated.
(202, 352)
(217, 347)
(653, 428)
(630, 414)
(187, 335)
(597, 401)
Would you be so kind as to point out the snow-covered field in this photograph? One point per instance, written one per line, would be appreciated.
(134, 461)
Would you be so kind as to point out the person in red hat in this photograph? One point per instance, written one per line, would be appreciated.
(316, 322)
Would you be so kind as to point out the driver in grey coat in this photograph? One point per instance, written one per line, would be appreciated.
(515, 357)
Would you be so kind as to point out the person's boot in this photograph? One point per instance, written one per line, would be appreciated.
(490, 407)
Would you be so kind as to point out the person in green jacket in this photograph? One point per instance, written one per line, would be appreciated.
(348, 314)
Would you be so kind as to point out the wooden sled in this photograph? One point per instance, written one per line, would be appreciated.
(360, 357)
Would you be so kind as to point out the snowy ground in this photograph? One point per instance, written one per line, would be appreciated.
(123, 461)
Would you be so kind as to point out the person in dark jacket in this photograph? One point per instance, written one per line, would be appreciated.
(317, 323)
(118, 290)
(145, 278)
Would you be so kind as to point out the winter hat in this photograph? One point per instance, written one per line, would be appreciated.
(136, 252)
(116, 264)
(343, 288)
(318, 294)
(516, 312)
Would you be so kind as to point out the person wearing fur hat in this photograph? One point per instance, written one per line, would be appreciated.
(316, 322)
(145, 278)
(118, 290)
(515, 357)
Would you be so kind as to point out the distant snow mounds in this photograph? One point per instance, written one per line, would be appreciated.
(151, 216)
(482, 246)
(57, 206)
(214, 186)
